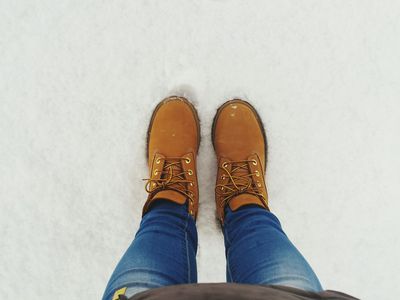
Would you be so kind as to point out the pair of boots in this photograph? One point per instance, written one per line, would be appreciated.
(239, 141)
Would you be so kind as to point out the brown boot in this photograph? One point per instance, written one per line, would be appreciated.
(241, 147)
(173, 140)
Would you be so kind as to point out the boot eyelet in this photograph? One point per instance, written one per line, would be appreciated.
(254, 162)
(191, 184)
(222, 188)
(223, 177)
(259, 184)
(225, 165)
(187, 160)
(257, 173)
(158, 161)
(155, 172)
(190, 172)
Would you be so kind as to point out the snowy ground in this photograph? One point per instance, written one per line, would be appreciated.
(78, 82)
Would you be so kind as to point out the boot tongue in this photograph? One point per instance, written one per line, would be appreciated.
(241, 173)
(172, 171)
(244, 199)
(170, 194)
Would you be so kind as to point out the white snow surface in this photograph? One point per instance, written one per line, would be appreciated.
(79, 80)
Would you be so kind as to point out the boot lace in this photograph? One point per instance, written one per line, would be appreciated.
(240, 181)
(172, 177)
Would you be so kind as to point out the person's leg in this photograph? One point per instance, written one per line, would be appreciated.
(164, 249)
(259, 252)
(162, 253)
(257, 249)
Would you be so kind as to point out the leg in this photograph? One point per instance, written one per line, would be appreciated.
(164, 249)
(162, 253)
(259, 252)
(257, 249)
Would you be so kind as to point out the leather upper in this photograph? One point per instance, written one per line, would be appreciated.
(240, 145)
(172, 144)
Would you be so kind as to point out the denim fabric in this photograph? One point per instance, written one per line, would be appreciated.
(164, 252)
(259, 252)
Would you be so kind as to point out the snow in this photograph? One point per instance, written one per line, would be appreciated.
(78, 82)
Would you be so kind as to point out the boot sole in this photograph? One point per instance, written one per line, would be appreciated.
(260, 123)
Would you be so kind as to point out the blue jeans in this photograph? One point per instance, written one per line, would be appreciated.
(164, 252)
